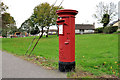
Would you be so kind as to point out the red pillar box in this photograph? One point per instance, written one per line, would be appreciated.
(66, 29)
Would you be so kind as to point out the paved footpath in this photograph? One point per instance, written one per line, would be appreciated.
(14, 67)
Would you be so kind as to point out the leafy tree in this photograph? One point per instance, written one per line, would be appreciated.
(13, 29)
(52, 17)
(105, 13)
(3, 8)
(41, 12)
(35, 31)
(45, 15)
(30, 26)
(34, 26)
(26, 26)
(7, 22)
(105, 20)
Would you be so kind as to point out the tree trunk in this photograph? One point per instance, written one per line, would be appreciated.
(6, 33)
(57, 31)
(37, 41)
(42, 32)
(47, 32)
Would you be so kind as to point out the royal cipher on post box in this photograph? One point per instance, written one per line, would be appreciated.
(66, 32)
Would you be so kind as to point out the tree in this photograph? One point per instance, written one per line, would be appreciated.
(34, 26)
(105, 13)
(3, 8)
(35, 30)
(7, 21)
(52, 18)
(105, 20)
(45, 15)
(25, 26)
(30, 26)
(13, 29)
(41, 12)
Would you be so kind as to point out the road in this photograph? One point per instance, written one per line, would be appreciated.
(14, 67)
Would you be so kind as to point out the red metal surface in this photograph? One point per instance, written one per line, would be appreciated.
(67, 39)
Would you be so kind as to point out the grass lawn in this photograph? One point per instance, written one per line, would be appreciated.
(95, 53)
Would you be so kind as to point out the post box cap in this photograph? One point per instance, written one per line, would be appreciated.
(67, 11)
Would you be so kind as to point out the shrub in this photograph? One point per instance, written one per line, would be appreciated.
(4, 33)
(110, 29)
(99, 30)
(117, 32)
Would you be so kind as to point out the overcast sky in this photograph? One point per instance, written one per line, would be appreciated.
(22, 9)
(119, 10)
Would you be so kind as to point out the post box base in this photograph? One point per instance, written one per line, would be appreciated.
(66, 66)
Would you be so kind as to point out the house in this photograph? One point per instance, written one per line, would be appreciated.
(84, 28)
(52, 31)
(115, 23)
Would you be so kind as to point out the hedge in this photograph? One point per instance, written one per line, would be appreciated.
(99, 30)
(110, 29)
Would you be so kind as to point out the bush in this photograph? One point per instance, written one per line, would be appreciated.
(4, 33)
(117, 32)
(99, 30)
(110, 29)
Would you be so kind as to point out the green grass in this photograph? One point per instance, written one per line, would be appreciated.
(0, 43)
(95, 53)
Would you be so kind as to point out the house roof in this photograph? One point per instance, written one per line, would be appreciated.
(52, 30)
(115, 23)
(85, 26)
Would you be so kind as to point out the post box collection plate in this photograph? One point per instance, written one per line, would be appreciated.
(60, 29)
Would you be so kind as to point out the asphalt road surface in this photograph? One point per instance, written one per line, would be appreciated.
(14, 67)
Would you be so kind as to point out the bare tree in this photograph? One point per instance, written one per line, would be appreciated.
(102, 9)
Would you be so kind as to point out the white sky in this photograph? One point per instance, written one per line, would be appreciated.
(22, 9)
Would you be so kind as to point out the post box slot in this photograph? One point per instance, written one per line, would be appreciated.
(59, 21)
(63, 17)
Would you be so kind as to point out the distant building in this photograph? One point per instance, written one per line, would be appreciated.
(115, 23)
(52, 31)
(84, 28)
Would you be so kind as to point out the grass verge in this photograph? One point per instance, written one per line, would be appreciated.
(96, 54)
